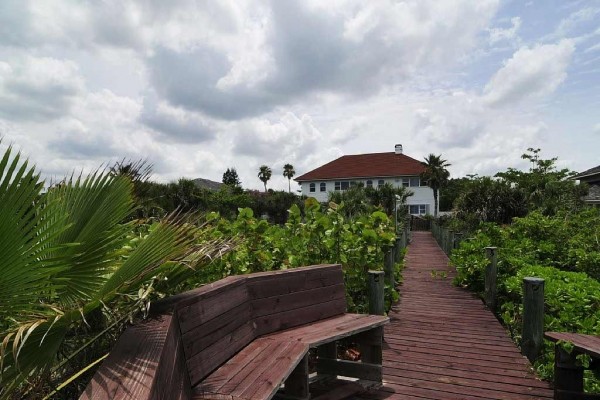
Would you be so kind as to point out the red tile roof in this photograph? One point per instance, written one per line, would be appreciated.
(366, 166)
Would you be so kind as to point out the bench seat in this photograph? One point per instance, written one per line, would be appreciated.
(253, 373)
(257, 371)
(330, 329)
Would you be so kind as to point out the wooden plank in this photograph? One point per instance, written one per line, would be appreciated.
(203, 363)
(215, 381)
(293, 280)
(331, 329)
(128, 372)
(279, 368)
(256, 369)
(301, 316)
(204, 335)
(298, 299)
(171, 303)
(212, 306)
(588, 344)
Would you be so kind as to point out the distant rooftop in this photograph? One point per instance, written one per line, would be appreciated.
(589, 172)
(372, 165)
(207, 184)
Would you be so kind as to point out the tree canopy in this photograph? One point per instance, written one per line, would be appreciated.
(264, 174)
(289, 172)
(436, 176)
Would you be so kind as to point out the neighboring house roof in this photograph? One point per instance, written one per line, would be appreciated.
(590, 172)
(373, 165)
(207, 184)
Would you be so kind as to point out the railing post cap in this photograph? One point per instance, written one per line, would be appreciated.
(533, 280)
(491, 247)
(376, 272)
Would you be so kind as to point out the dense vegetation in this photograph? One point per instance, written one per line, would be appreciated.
(541, 229)
(328, 236)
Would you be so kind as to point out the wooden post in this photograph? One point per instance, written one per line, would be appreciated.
(388, 267)
(297, 384)
(568, 373)
(376, 303)
(326, 351)
(533, 317)
(397, 249)
(457, 239)
(450, 241)
(491, 274)
(444, 239)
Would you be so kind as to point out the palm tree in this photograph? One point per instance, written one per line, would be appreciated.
(264, 174)
(436, 176)
(289, 172)
(67, 254)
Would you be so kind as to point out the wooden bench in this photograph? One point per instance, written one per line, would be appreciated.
(568, 375)
(242, 338)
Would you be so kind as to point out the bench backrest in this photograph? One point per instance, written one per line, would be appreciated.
(210, 325)
(284, 299)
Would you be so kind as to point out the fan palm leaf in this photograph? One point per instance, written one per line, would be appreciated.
(64, 254)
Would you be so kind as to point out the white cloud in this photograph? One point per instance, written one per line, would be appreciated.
(530, 73)
(38, 88)
(499, 34)
(569, 24)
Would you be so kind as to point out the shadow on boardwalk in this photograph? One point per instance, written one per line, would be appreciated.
(442, 343)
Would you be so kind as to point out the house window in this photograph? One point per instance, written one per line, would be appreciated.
(323, 187)
(411, 182)
(369, 183)
(342, 185)
(312, 187)
(380, 183)
(423, 182)
(418, 209)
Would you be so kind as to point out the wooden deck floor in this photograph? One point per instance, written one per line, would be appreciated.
(442, 343)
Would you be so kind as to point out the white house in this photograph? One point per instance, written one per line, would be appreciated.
(372, 170)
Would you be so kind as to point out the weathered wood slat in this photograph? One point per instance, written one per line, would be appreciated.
(206, 361)
(298, 299)
(289, 319)
(331, 329)
(588, 344)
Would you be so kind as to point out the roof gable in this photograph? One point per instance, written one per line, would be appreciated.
(589, 172)
(366, 166)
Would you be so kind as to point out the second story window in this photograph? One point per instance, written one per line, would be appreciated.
(323, 187)
(369, 183)
(380, 183)
(312, 187)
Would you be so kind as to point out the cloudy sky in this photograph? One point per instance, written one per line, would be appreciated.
(195, 87)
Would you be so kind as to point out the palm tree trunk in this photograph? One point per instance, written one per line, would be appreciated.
(435, 203)
(265, 183)
(289, 187)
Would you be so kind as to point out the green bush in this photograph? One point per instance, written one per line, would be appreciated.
(317, 237)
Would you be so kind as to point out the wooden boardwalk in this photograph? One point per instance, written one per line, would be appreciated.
(442, 343)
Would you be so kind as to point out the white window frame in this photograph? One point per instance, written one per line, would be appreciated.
(312, 187)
